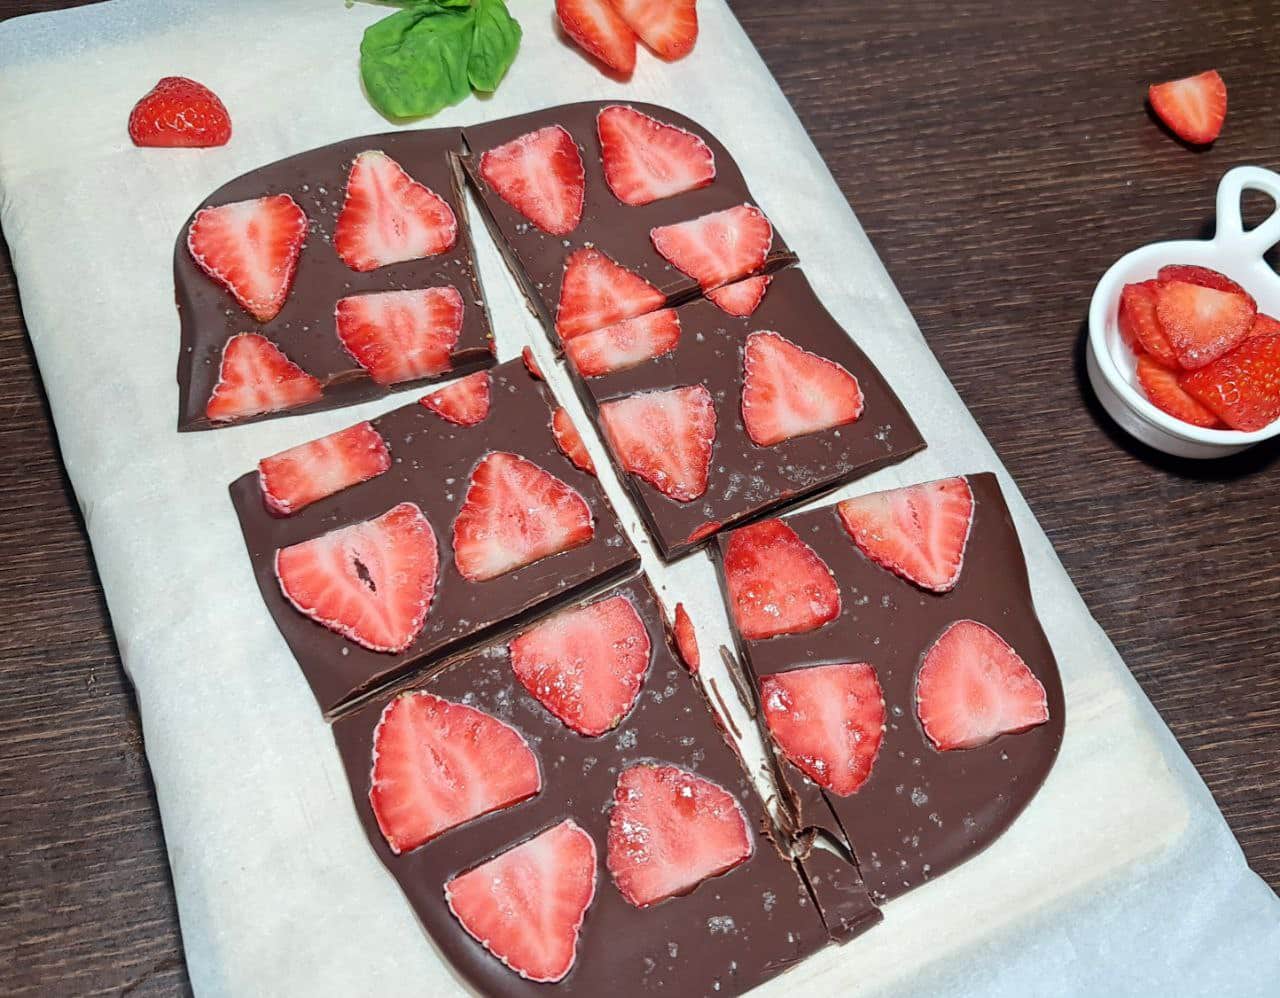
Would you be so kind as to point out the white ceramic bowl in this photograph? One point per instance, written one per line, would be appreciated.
(1231, 251)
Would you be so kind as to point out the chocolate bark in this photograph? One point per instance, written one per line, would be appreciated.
(921, 812)
(305, 329)
(432, 461)
(729, 934)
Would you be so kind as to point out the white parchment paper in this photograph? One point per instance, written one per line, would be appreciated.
(1121, 877)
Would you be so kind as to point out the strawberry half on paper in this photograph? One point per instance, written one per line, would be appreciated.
(178, 112)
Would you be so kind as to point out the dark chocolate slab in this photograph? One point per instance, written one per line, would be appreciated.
(305, 328)
(747, 480)
(431, 466)
(619, 230)
(921, 812)
(728, 935)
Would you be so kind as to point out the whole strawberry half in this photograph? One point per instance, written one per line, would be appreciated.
(178, 112)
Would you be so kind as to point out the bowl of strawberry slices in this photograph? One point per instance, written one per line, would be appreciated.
(1184, 337)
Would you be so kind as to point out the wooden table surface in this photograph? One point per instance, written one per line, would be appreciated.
(1000, 158)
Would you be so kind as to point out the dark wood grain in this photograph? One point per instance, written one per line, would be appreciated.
(1000, 159)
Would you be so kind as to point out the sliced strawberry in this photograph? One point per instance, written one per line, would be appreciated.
(742, 297)
(402, 335)
(703, 531)
(526, 905)
(465, 402)
(372, 582)
(531, 363)
(973, 688)
(1264, 325)
(670, 830)
(178, 112)
(597, 292)
(777, 583)
(686, 640)
(788, 391)
(586, 665)
(668, 27)
(828, 721)
(299, 476)
(599, 31)
(1139, 325)
(1161, 386)
(570, 441)
(665, 437)
(1204, 276)
(1243, 387)
(251, 248)
(256, 377)
(646, 160)
(439, 764)
(388, 217)
(1202, 324)
(624, 344)
(1194, 108)
(540, 174)
(717, 248)
(919, 532)
(515, 514)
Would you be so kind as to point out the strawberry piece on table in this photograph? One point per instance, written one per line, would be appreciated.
(388, 217)
(540, 174)
(1202, 323)
(526, 905)
(600, 31)
(789, 392)
(670, 830)
(777, 583)
(668, 27)
(1139, 325)
(597, 292)
(255, 378)
(401, 335)
(664, 437)
(1162, 387)
(828, 721)
(919, 532)
(686, 640)
(439, 764)
(251, 248)
(625, 344)
(646, 160)
(465, 402)
(299, 476)
(742, 297)
(1243, 387)
(1264, 325)
(973, 688)
(1204, 276)
(178, 112)
(531, 363)
(717, 248)
(372, 582)
(1194, 108)
(585, 665)
(570, 441)
(515, 513)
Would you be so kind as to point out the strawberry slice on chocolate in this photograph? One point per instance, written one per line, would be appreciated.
(973, 688)
(741, 298)
(686, 640)
(670, 830)
(585, 665)
(789, 392)
(1242, 387)
(515, 513)
(257, 378)
(371, 582)
(439, 764)
(401, 335)
(646, 160)
(570, 441)
(828, 721)
(668, 27)
(664, 437)
(464, 403)
(1202, 323)
(299, 476)
(625, 344)
(540, 174)
(526, 905)
(251, 248)
(531, 363)
(717, 248)
(597, 292)
(777, 583)
(919, 532)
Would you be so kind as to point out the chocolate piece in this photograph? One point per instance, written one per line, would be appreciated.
(621, 231)
(731, 933)
(305, 329)
(747, 480)
(846, 907)
(432, 460)
(921, 812)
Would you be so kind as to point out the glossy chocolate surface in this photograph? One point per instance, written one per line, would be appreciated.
(432, 461)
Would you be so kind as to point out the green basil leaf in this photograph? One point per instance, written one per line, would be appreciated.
(494, 46)
(414, 62)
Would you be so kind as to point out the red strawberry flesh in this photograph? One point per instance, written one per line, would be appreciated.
(596, 292)
(531, 363)
(1243, 387)
(741, 298)
(646, 160)
(388, 217)
(299, 476)
(1202, 323)
(1139, 325)
(570, 441)
(668, 27)
(540, 174)
(789, 392)
(178, 112)
(1194, 108)
(465, 402)
(1204, 276)
(625, 344)
(1162, 388)
(717, 248)
(256, 378)
(664, 437)
(777, 583)
(401, 335)
(598, 30)
(686, 640)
